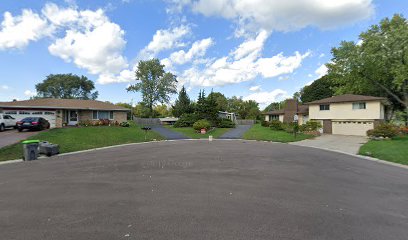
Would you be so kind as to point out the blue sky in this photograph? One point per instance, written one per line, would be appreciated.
(263, 50)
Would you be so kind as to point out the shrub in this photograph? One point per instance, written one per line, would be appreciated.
(265, 124)
(276, 125)
(226, 123)
(200, 124)
(124, 124)
(385, 130)
(404, 130)
(310, 126)
(186, 120)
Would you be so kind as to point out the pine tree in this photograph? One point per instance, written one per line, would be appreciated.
(183, 104)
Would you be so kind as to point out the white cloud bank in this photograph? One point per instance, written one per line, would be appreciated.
(243, 64)
(264, 98)
(89, 39)
(321, 71)
(289, 15)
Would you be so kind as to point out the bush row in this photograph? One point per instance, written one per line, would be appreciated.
(310, 126)
(102, 122)
(188, 120)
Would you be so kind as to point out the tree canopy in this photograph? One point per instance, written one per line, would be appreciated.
(66, 86)
(319, 89)
(378, 65)
(155, 84)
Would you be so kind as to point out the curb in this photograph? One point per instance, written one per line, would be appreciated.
(217, 139)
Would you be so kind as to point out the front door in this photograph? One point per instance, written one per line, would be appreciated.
(327, 126)
(72, 117)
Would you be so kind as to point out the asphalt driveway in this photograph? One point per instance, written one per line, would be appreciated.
(11, 136)
(348, 144)
(204, 190)
(167, 133)
(236, 133)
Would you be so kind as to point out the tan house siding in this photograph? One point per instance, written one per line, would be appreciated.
(346, 111)
(59, 118)
(120, 116)
(85, 115)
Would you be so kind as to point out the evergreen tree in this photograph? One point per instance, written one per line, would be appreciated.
(211, 108)
(183, 104)
(201, 107)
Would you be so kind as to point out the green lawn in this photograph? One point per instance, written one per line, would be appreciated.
(76, 139)
(257, 132)
(191, 133)
(395, 150)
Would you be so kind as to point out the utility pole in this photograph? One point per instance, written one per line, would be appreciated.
(131, 109)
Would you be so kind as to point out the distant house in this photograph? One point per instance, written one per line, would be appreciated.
(64, 111)
(228, 115)
(287, 115)
(344, 114)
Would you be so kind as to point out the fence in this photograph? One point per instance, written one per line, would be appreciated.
(147, 121)
(245, 121)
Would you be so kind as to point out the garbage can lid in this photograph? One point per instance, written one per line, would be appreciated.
(30, 141)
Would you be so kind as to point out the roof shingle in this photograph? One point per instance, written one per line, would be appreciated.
(347, 98)
(63, 104)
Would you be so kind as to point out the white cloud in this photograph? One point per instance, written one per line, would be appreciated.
(321, 71)
(30, 93)
(255, 88)
(4, 87)
(17, 32)
(265, 98)
(322, 55)
(198, 49)
(164, 40)
(287, 15)
(242, 64)
(91, 41)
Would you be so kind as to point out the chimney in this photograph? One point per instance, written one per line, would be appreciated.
(290, 110)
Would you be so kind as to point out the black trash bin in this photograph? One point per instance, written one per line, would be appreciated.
(30, 150)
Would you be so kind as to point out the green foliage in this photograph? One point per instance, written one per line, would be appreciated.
(265, 123)
(276, 125)
(220, 100)
(201, 124)
(378, 66)
(155, 84)
(143, 111)
(310, 126)
(183, 104)
(124, 124)
(275, 106)
(162, 111)
(225, 123)
(186, 120)
(385, 130)
(319, 89)
(66, 86)
(394, 150)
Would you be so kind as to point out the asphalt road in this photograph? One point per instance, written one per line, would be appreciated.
(201, 190)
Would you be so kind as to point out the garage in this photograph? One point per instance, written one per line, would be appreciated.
(20, 114)
(358, 128)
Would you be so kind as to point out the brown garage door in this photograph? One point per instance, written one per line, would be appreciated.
(327, 126)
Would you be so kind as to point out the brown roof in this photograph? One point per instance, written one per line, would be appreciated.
(347, 98)
(275, 112)
(56, 103)
(303, 109)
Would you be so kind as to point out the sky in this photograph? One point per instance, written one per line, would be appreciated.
(262, 50)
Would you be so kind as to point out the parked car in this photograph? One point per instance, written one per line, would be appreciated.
(7, 121)
(33, 123)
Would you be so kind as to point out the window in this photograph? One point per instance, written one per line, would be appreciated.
(324, 107)
(37, 113)
(273, 117)
(11, 112)
(49, 113)
(359, 105)
(24, 113)
(102, 115)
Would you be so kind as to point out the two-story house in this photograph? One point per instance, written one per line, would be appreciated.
(344, 114)
(348, 114)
